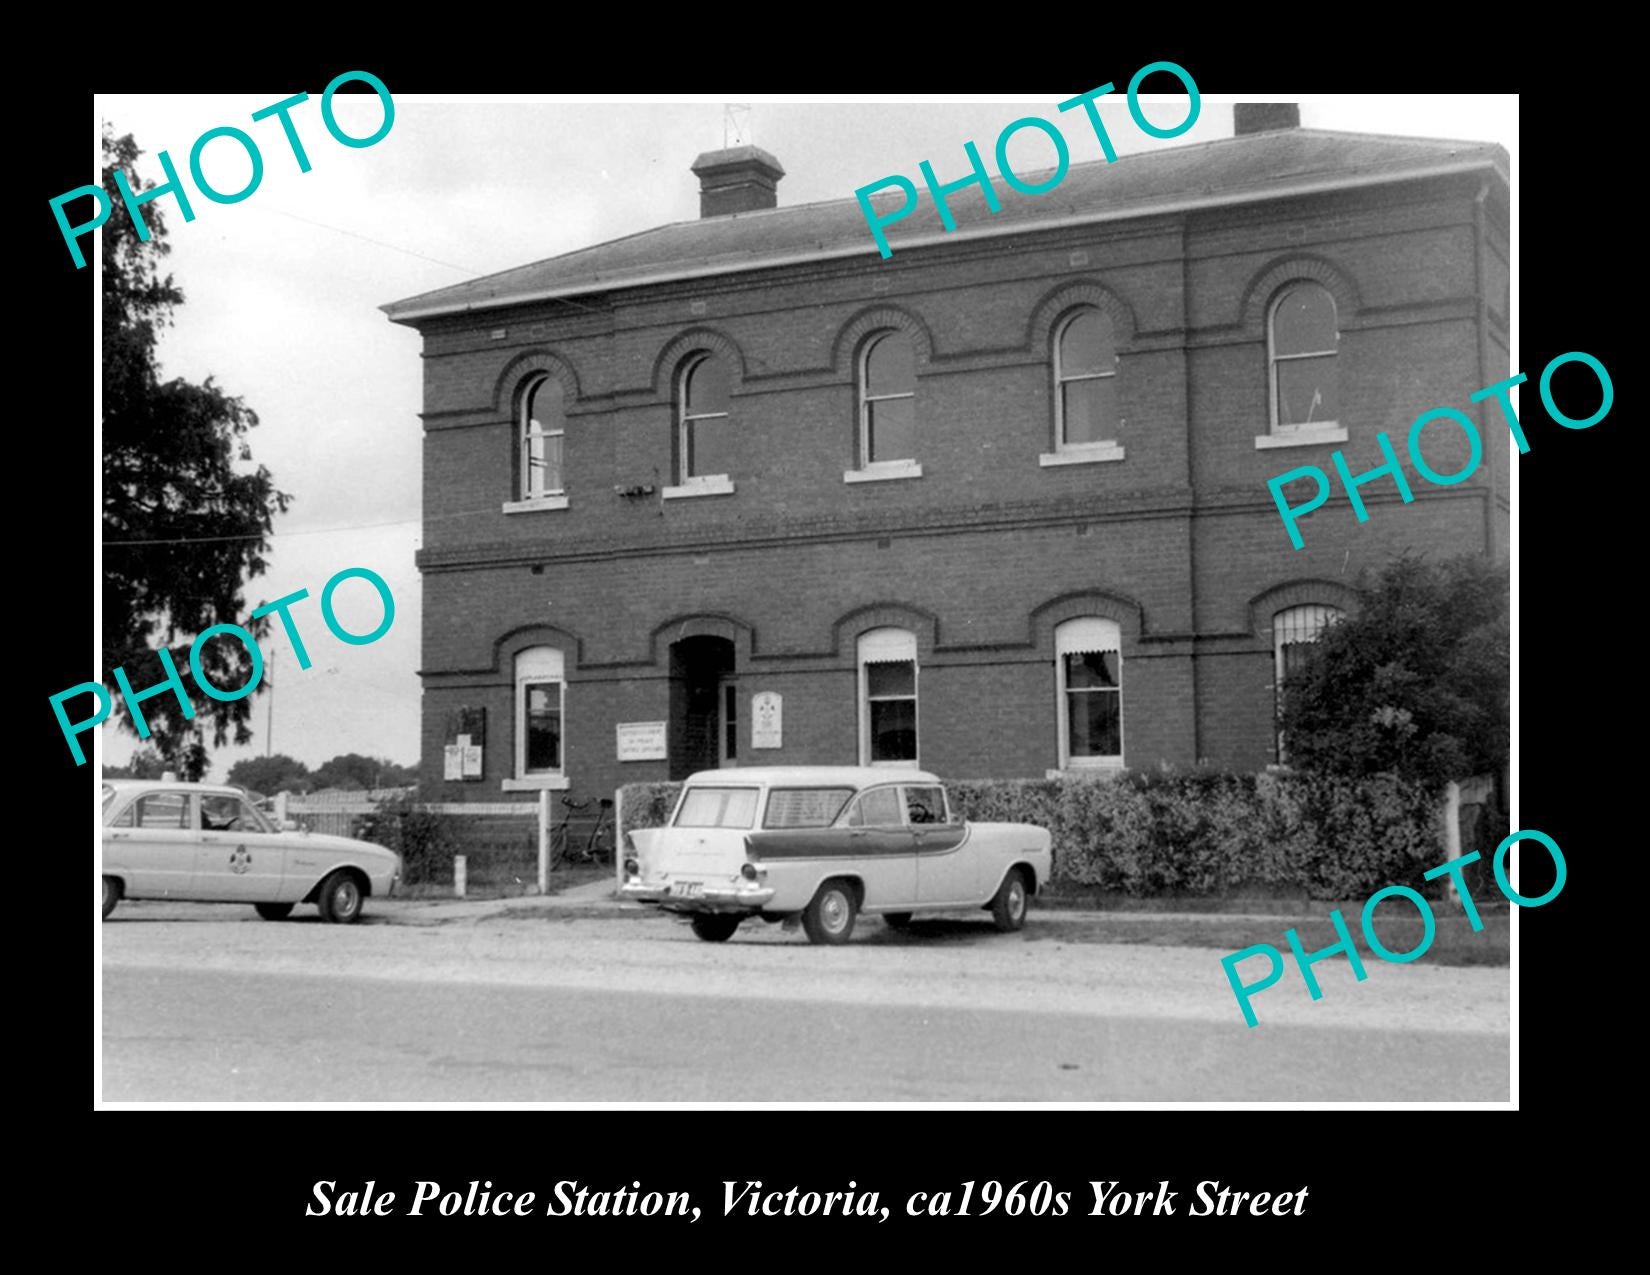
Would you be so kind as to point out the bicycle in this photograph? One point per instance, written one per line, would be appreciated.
(562, 850)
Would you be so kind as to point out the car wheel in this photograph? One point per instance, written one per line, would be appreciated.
(111, 895)
(829, 918)
(274, 911)
(715, 927)
(340, 898)
(897, 920)
(1008, 909)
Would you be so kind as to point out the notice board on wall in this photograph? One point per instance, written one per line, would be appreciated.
(465, 743)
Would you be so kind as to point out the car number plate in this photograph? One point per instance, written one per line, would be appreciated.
(686, 889)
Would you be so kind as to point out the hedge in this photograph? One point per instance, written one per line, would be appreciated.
(1202, 832)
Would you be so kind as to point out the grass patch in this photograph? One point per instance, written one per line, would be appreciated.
(1455, 943)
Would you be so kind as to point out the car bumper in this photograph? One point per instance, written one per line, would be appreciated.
(712, 898)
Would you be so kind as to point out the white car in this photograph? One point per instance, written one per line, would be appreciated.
(826, 843)
(207, 843)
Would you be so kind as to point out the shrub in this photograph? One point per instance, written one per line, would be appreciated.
(646, 805)
(1200, 832)
(422, 838)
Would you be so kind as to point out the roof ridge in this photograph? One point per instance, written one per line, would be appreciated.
(491, 290)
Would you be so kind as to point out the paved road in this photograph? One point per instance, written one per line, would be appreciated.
(527, 1004)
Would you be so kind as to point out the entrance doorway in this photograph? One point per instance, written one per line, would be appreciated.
(704, 706)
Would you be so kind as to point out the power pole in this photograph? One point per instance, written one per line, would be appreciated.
(269, 716)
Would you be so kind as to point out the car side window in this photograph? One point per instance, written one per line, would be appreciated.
(225, 812)
(924, 805)
(252, 819)
(876, 808)
(163, 810)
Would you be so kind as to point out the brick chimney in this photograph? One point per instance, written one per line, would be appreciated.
(1265, 117)
(740, 179)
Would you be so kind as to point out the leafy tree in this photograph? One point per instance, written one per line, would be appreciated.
(145, 763)
(352, 770)
(276, 773)
(1415, 683)
(185, 515)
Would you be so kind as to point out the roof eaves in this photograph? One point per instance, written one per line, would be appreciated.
(405, 311)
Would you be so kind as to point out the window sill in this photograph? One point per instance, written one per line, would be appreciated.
(708, 485)
(1087, 454)
(1088, 768)
(885, 471)
(538, 783)
(535, 504)
(1304, 436)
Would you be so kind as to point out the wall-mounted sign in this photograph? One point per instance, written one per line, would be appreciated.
(767, 720)
(641, 741)
(461, 759)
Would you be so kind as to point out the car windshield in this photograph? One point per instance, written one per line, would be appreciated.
(717, 808)
(805, 807)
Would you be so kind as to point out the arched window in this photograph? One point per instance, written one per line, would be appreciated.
(705, 439)
(887, 400)
(888, 697)
(1085, 382)
(540, 697)
(1302, 338)
(1293, 632)
(543, 426)
(1088, 656)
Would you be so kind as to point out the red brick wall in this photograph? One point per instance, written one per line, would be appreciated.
(1179, 542)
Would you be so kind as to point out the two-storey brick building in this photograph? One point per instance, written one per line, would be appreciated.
(740, 490)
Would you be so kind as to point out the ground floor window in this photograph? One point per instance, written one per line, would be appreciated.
(1293, 633)
(1089, 677)
(540, 702)
(888, 697)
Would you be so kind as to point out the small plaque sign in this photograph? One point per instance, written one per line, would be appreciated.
(641, 741)
(767, 720)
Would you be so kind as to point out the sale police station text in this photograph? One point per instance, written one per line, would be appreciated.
(753, 1198)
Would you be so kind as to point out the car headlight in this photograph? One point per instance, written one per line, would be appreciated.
(632, 868)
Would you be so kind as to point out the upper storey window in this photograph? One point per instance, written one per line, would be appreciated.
(1086, 412)
(543, 427)
(1303, 340)
(705, 438)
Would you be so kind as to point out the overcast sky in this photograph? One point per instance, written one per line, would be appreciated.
(282, 294)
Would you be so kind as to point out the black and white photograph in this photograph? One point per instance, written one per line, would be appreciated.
(927, 601)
